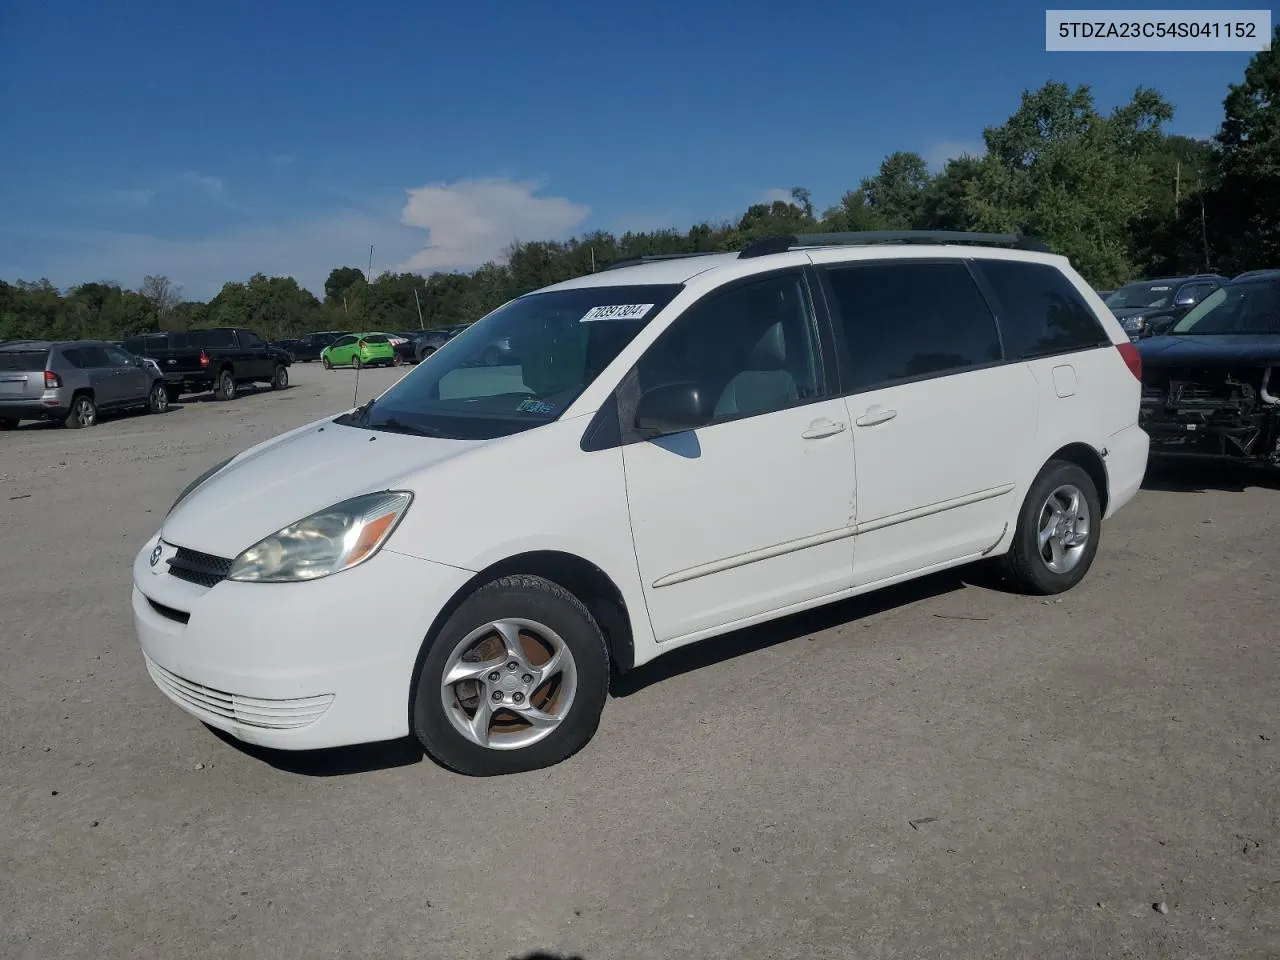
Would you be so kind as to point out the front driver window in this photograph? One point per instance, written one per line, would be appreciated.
(752, 347)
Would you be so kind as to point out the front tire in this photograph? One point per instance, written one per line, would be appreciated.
(280, 379)
(158, 399)
(225, 388)
(326, 363)
(1058, 531)
(8, 423)
(476, 713)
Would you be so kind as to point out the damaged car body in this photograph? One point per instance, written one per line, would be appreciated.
(1210, 390)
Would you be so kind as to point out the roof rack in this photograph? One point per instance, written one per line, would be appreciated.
(653, 258)
(780, 244)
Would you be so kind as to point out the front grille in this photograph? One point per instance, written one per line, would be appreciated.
(201, 568)
(208, 703)
(178, 616)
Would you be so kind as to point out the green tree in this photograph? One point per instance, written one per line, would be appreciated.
(1063, 172)
(1245, 206)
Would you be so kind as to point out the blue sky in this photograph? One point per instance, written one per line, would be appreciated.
(208, 141)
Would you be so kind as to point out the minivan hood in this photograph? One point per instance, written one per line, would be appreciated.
(290, 479)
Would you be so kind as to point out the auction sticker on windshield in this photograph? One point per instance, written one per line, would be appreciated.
(621, 311)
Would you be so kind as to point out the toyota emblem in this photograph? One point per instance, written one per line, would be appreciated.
(155, 554)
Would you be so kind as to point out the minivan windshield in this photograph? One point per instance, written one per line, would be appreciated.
(519, 366)
(1249, 306)
(1143, 294)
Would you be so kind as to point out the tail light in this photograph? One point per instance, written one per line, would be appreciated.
(51, 380)
(1132, 359)
(204, 359)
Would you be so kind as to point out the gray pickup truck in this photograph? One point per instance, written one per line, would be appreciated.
(72, 380)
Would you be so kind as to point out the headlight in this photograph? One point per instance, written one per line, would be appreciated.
(335, 539)
(1134, 323)
(186, 491)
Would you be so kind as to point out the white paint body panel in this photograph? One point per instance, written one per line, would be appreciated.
(702, 533)
(715, 498)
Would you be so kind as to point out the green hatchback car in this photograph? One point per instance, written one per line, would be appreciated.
(360, 350)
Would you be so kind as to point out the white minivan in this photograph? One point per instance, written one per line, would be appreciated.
(610, 468)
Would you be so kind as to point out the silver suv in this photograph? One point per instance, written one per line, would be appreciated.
(72, 380)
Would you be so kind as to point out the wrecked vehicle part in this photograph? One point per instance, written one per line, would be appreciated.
(1207, 385)
(1224, 413)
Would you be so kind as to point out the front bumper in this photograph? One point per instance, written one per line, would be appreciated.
(293, 666)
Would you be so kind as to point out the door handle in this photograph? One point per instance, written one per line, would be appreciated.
(874, 415)
(822, 428)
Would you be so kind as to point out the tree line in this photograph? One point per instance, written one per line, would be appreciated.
(1113, 191)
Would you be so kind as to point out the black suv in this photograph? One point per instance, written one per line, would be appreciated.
(1147, 308)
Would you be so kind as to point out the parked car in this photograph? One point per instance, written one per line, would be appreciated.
(417, 345)
(360, 350)
(673, 458)
(221, 359)
(72, 380)
(1208, 391)
(287, 346)
(309, 346)
(1148, 307)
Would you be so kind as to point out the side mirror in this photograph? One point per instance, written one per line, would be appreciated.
(1158, 327)
(1185, 302)
(673, 408)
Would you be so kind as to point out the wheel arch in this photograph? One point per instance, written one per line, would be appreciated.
(1090, 461)
(586, 581)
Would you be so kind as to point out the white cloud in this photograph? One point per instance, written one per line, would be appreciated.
(777, 195)
(473, 221)
(938, 154)
(201, 181)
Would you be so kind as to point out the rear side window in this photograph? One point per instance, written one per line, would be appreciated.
(25, 360)
(376, 338)
(213, 339)
(1041, 312)
(908, 320)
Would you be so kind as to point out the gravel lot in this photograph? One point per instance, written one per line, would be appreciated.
(943, 769)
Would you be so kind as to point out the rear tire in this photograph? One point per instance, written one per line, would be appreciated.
(324, 361)
(280, 379)
(7, 423)
(425, 352)
(83, 413)
(158, 399)
(225, 387)
(546, 609)
(173, 393)
(1058, 531)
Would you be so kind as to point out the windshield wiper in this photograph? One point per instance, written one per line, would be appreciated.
(392, 425)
